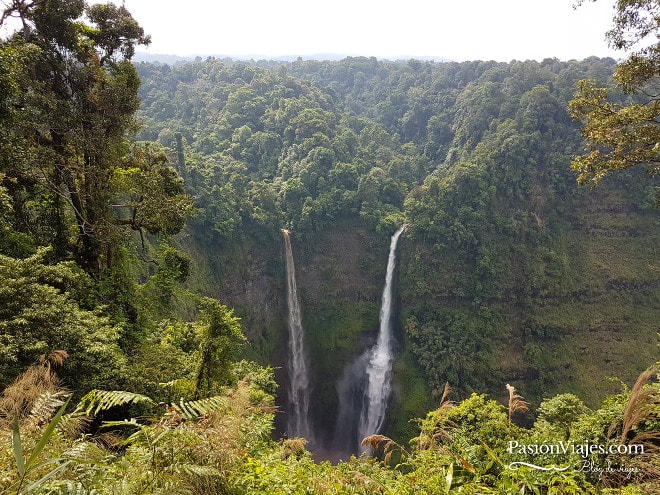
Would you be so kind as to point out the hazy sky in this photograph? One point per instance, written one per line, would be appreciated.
(500, 30)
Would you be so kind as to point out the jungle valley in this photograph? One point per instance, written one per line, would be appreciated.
(151, 215)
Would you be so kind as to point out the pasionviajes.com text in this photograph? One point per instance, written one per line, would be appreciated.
(582, 449)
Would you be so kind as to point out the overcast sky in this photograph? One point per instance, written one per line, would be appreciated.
(501, 30)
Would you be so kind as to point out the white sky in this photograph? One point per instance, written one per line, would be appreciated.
(501, 30)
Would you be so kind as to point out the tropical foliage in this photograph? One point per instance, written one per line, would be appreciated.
(141, 208)
(623, 134)
(504, 257)
(223, 444)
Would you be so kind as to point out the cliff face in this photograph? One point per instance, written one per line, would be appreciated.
(341, 276)
(591, 311)
(562, 310)
(509, 272)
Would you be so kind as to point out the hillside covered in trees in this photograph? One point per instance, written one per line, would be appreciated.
(510, 270)
(143, 315)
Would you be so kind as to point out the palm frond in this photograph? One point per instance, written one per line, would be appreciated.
(101, 400)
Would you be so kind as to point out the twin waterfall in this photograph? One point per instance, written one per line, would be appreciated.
(379, 366)
(298, 418)
(365, 386)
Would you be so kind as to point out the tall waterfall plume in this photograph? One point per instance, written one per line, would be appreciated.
(298, 415)
(379, 366)
(365, 386)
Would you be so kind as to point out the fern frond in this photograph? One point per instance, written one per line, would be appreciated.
(195, 409)
(142, 436)
(195, 470)
(45, 406)
(71, 488)
(18, 399)
(101, 400)
(73, 424)
(88, 452)
(122, 422)
(147, 436)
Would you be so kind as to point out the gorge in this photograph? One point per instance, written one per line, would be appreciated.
(511, 273)
(365, 385)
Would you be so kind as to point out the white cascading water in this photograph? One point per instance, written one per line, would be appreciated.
(298, 418)
(379, 366)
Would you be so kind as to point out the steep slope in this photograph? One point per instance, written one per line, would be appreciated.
(509, 271)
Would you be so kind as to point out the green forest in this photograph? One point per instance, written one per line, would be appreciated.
(143, 295)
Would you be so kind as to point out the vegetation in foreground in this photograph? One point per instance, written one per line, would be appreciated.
(222, 444)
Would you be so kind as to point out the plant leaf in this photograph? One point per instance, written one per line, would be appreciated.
(46, 435)
(100, 400)
(46, 477)
(193, 410)
(449, 478)
(18, 448)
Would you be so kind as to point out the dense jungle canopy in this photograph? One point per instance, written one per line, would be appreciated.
(142, 293)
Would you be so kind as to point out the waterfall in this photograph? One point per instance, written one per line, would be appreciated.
(379, 367)
(298, 417)
(365, 386)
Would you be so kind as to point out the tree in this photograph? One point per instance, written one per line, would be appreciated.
(623, 135)
(78, 92)
(151, 192)
(40, 313)
(561, 412)
(220, 336)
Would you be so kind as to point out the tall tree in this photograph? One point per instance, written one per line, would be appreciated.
(77, 92)
(151, 192)
(623, 135)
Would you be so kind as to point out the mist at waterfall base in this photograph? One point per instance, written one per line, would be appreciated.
(364, 388)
